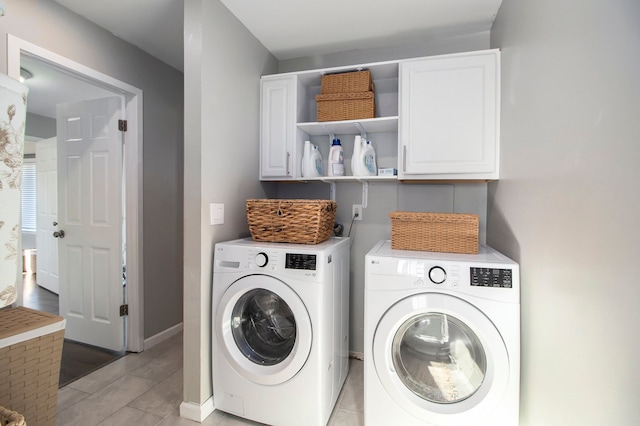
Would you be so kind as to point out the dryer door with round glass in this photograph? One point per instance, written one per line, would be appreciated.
(440, 358)
(264, 329)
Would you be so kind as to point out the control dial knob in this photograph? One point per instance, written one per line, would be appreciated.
(262, 259)
(437, 275)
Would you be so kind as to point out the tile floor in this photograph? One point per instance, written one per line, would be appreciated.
(146, 389)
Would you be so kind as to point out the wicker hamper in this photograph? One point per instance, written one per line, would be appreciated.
(291, 221)
(11, 418)
(346, 82)
(438, 232)
(30, 353)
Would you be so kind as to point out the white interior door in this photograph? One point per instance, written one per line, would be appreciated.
(90, 214)
(47, 214)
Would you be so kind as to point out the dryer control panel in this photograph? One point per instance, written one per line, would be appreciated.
(491, 277)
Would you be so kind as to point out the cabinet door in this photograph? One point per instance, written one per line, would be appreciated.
(277, 126)
(449, 117)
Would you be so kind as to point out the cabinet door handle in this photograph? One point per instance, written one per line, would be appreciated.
(404, 158)
(288, 163)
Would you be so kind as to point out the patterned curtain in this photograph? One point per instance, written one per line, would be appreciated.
(13, 113)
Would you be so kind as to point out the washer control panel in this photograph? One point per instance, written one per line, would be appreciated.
(300, 261)
(437, 275)
(491, 277)
(261, 259)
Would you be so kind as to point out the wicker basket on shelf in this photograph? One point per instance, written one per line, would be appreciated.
(346, 106)
(291, 221)
(346, 82)
(346, 96)
(435, 232)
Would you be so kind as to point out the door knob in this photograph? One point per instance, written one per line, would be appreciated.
(59, 234)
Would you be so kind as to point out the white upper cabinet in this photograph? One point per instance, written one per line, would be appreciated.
(449, 117)
(277, 127)
(436, 118)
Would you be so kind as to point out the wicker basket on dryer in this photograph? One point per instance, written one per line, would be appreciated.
(436, 232)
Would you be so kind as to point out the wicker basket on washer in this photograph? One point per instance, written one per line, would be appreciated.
(437, 232)
(291, 221)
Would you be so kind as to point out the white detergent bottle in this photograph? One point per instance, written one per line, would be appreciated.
(356, 169)
(306, 159)
(369, 160)
(336, 159)
(316, 162)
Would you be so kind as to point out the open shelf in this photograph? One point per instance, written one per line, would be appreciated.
(351, 127)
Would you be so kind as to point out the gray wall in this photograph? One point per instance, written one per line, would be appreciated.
(39, 126)
(567, 206)
(223, 65)
(52, 27)
(386, 197)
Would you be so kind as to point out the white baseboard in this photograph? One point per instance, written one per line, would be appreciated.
(196, 412)
(162, 336)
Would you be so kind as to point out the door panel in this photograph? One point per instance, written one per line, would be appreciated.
(90, 213)
(47, 208)
(227, 319)
(435, 353)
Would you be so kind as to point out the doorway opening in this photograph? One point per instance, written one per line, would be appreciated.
(19, 51)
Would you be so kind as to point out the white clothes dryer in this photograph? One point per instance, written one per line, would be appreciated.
(280, 329)
(442, 338)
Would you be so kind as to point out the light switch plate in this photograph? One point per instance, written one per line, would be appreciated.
(217, 213)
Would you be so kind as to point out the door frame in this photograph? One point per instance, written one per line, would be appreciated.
(134, 323)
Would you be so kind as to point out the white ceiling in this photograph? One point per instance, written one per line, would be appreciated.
(287, 28)
(294, 28)
(50, 86)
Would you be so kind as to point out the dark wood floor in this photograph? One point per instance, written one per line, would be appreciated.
(78, 359)
(36, 297)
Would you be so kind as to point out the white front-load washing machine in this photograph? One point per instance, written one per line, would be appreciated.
(442, 338)
(280, 329)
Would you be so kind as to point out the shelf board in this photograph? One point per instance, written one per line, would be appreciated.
(351, 127)
(329, 179)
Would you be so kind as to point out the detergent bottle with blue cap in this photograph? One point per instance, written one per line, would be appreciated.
(336, 159)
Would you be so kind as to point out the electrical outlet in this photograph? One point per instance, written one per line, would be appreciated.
(357, 209)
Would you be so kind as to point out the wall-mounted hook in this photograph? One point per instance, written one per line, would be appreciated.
(363, 133)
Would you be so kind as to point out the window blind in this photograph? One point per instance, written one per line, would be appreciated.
(29, 211)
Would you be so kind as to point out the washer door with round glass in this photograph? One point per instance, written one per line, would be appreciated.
(263, 329)
(440, 358)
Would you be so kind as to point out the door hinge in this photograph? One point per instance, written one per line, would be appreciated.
(124, 310)
(122, 125)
